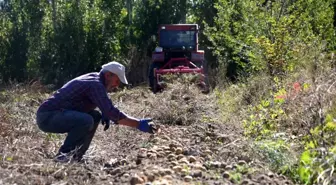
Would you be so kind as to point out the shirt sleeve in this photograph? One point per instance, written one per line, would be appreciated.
(98, 96)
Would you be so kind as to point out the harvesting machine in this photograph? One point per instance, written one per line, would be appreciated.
(177, 53)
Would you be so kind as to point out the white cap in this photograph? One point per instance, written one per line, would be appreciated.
(116, 68)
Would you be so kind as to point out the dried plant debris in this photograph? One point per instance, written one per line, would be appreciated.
(193, 147)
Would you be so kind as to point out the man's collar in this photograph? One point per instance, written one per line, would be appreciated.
(102, 78)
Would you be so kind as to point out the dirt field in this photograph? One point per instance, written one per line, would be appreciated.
(193, 147)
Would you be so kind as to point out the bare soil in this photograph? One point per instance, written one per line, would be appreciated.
(193, 146)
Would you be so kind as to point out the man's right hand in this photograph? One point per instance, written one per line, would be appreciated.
(106, 122)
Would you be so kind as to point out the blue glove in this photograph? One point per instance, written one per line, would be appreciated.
(145, 126)
(106, 122)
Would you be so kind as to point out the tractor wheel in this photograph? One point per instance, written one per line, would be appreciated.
(206, 86)
(153, 83)
(155, 88)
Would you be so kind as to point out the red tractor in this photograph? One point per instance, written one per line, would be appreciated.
(177, 52)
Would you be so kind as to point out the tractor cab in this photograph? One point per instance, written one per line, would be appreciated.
(177, 52)
(177, 39)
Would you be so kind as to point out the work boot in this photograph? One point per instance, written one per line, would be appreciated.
(62, 158)
(68, 158)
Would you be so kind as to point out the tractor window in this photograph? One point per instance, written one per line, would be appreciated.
(177, 39)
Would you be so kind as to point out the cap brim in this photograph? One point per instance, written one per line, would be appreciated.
(123, 79)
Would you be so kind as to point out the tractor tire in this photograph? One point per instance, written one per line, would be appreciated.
(153, 83)
(155, 88)
(206, 87)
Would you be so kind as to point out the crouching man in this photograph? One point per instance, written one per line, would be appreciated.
(71, 110)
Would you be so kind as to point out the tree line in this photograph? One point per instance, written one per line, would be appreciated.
(56, 40)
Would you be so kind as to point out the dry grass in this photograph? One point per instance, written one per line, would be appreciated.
(181, 103)
(303, 111)
(197, 121)
(26, 152)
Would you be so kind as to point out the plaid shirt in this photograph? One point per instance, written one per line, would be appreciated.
(83, 94)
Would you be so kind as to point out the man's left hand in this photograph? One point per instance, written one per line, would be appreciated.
(146, 126)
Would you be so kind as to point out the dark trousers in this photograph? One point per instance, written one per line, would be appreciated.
(80, 127)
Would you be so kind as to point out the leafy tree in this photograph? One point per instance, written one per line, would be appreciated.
(203, 12)
(150, 14)
(13, 63)
(263, 36)
(84, 36)
(74, 37)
